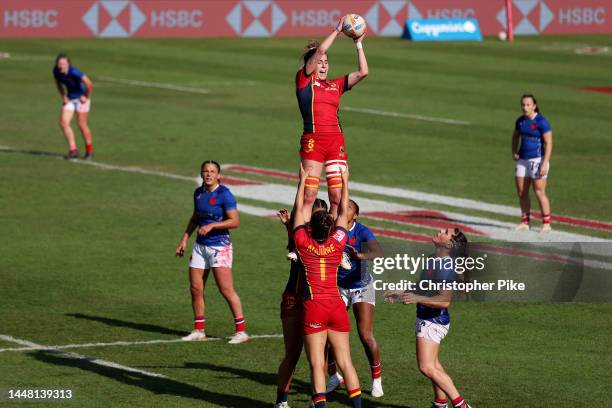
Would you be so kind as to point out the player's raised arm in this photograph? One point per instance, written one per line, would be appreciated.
(311, 64)
(342, 220)
(355, 77)
(298, 216)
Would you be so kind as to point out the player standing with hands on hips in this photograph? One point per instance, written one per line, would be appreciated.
(532, 158)
(75, 89)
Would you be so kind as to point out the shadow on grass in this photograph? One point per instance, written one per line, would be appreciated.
(4, 149)
(158, 386)
(297, 386)
(132, 325)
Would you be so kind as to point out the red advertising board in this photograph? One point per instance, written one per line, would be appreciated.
(264, 18)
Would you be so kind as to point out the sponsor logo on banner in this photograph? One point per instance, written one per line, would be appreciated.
(114, 18)
(443, 30)
(254, 18)
(531, 16)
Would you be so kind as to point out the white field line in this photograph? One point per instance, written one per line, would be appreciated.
(93, 360)
(284, 194)
(33, 346)
(407, 116)
(157, 85)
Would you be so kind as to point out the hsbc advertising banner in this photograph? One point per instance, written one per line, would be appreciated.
(266, 18)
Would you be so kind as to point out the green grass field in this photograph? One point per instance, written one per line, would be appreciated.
(87, 252)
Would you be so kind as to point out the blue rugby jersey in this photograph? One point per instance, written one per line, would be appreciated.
(437, 270)
(358, 276)
(531, 131)
(210, 206)
(73, 81)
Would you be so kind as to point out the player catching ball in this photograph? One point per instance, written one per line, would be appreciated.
(322, 142)
(325, 318)
(357, 290)
(215, 213)
(75, 89)
(433, 319)
(534, 135)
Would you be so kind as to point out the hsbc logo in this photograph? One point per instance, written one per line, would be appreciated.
(114, 18)
(254, 18)
(532, 16)
(387, 18)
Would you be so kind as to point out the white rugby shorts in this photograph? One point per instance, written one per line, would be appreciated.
(206, 257)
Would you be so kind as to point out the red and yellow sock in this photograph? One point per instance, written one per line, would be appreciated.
(376, 370)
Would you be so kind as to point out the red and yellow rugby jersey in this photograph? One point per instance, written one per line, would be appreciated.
(319, 101)
(321, 262)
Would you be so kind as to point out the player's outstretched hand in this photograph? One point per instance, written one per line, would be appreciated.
(283, 215)
(340, 25)
(391, 296)
(344, 172)
(304, 172)
(360, 38)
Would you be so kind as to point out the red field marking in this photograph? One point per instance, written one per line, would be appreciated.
(427, 218)
(285, 175)
(233, 181)
(600, 89)
(277, 174)
(578, 222)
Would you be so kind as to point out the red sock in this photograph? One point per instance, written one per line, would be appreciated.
(546, 218)
(525, 218)
(199, 323)
(376, 370)
(89, 148)
(458, 402)
(331, 368)
(240, 324)
(438, 402)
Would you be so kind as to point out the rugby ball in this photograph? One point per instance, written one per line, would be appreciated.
(353, 25)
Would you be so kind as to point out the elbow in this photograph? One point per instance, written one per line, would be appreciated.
(364, 73)
(236, 224)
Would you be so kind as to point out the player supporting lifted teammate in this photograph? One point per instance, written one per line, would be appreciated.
(322, 142)
(534, 133)
(291, 313)
(325, 317)
(215, 213)
(75, 89)
(357, 290)
(433, 319)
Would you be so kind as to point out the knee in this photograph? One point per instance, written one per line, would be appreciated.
(227, 292)
(310, 195)
(64, 124)
(540, 192)
(368, 340)
(82, 124)
(334, 196)
(196, 290)
(427, 369)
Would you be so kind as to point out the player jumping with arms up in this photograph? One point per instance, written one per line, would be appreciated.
(322, 142)
(325, 318)
(433, 319)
